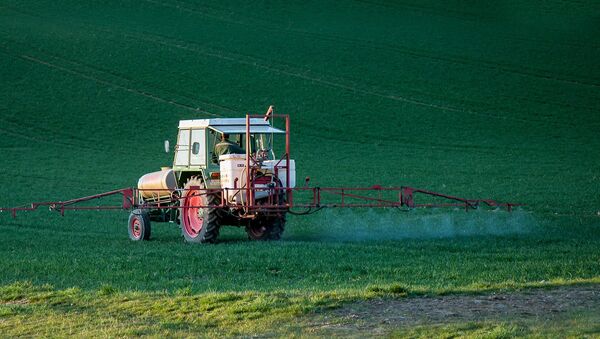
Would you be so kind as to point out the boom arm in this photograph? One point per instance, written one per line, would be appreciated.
(312, 198)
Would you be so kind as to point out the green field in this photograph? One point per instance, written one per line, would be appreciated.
(475, 99)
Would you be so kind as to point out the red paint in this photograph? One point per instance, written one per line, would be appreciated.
(192, 222)
(136, 228)
(262, 180)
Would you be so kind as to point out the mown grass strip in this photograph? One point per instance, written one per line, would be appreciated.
(27, 309)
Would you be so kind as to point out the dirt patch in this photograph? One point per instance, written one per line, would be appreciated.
(15, 302)
(375, 316)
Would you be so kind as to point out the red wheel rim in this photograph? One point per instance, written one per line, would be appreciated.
(136, 228)
(193, 221)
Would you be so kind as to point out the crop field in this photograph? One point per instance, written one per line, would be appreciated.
(471, 98)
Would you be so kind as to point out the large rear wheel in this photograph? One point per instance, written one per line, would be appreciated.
(198, 224)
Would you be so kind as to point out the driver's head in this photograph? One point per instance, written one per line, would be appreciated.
(224, 136)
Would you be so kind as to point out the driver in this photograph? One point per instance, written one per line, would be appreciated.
(226, 147)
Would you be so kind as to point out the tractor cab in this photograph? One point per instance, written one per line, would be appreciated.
(197, 139)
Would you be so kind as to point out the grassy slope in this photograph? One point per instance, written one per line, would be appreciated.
(475, 100)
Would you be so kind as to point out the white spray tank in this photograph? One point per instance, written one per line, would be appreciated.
(233, 176)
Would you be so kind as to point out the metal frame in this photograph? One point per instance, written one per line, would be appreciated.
(252, 164)
(348, 197)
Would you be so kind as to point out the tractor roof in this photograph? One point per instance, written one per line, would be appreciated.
(231, 125)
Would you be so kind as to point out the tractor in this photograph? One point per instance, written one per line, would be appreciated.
(224, 172)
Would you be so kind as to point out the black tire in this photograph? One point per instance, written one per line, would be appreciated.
(139, 227)
(199, 225)
(266, 228)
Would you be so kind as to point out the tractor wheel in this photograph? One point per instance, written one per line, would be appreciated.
(198, 225)
(139, 225)
(266, 229)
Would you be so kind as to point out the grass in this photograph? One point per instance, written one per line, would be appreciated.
(479, 100)
(26, 309)
(568, 326)
(108, 313)
(303, 261)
